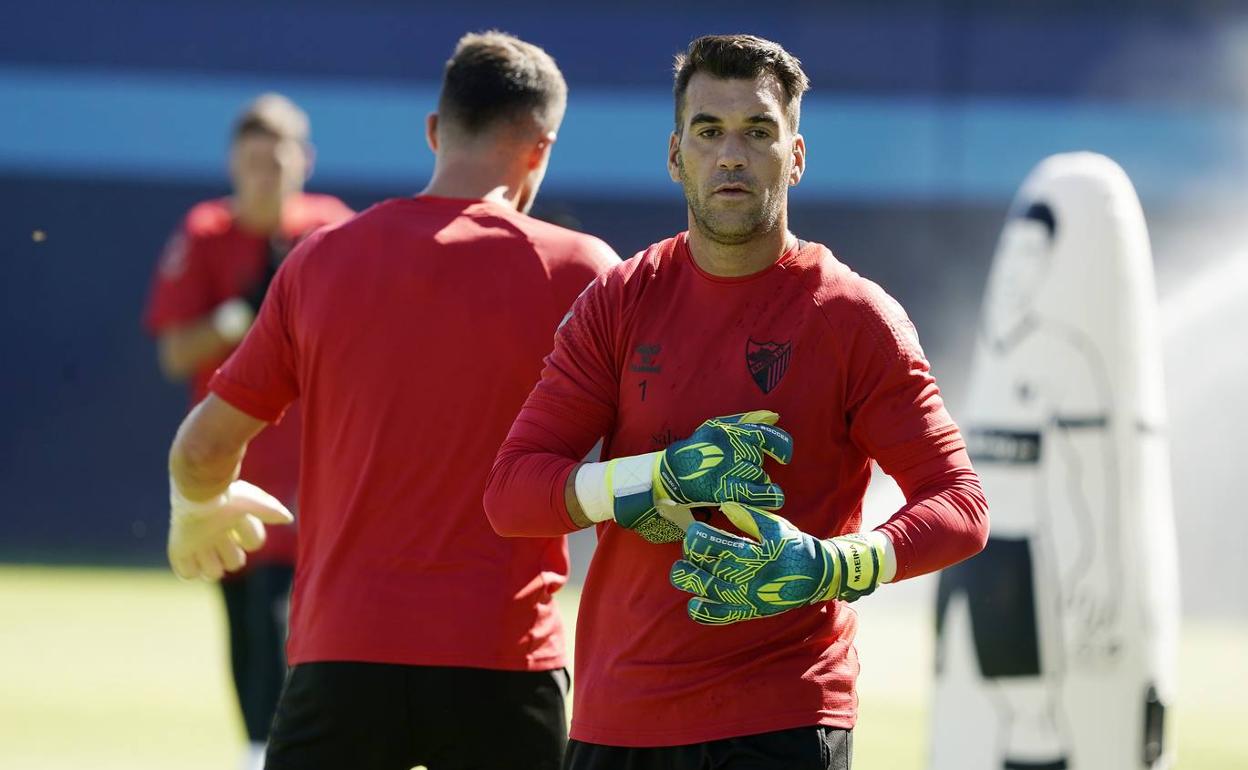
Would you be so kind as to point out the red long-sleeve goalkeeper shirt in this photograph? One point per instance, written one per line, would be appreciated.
(649, 351)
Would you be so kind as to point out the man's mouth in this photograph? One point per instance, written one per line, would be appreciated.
(731, 190)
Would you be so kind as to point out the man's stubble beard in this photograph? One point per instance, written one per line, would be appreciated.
(764, 218)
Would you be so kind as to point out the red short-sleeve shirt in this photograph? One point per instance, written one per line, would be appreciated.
(411, 335)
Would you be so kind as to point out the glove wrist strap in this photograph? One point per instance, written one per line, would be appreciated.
(857, 564)
(620, 486)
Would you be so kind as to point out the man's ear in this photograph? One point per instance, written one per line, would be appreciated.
(309, 155)
(799, 160)
(673, 156)
(431, 131)
(541, 149)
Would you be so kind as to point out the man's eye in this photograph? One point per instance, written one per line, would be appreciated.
(759, 133)
(709, 133)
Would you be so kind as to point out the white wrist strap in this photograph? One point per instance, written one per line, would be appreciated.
(888, 567)
(598, 484)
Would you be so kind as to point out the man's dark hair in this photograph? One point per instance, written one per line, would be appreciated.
(494, 77)
(741, 57)
(273, 115)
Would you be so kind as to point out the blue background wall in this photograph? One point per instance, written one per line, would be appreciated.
(923, 119)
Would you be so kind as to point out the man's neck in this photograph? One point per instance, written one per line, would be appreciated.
(473, 180)
(739, 259)
(261, 218)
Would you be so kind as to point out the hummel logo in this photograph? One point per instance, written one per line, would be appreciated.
(646, 355)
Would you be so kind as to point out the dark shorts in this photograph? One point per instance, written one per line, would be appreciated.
(1000, 592)
(255, 605)
(374, 716)
(801, 748)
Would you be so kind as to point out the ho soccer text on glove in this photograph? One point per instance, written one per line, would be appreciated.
(736, 578)
(721, 462)
(211, 537)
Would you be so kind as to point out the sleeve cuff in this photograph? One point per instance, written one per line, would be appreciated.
(902, 549)
(246, 400)
(559, 499)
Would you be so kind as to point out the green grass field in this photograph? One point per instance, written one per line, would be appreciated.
(103, 669)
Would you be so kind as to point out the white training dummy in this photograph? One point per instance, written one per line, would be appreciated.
(1056, 645)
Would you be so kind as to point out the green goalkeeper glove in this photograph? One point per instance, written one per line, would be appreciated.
(734, 578)
(721, 462)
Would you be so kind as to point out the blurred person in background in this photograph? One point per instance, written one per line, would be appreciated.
(411, 335)
(208, 288)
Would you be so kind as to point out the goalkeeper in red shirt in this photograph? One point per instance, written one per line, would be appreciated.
(741, 319)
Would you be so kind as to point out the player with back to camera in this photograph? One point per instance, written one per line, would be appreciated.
(207, 289)
(736, 317)
(411, 334)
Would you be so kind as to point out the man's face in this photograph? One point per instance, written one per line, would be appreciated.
(267, 167)
(735, 156)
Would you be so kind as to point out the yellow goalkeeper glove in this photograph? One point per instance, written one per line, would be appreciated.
(735, 578)
(721, 462)
(211, 537)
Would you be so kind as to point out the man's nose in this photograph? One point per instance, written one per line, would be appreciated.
(732, 154)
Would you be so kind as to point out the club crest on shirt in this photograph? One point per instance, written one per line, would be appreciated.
(767, 362)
